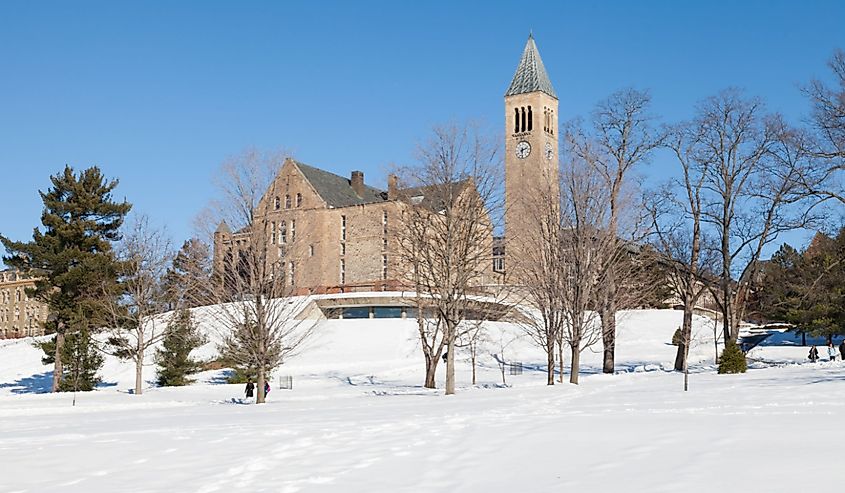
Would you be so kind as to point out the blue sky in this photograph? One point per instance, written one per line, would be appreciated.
(159, 93)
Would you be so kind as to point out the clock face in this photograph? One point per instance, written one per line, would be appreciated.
(550, 153)
(523, 149)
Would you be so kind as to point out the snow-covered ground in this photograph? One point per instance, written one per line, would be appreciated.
(358, 420)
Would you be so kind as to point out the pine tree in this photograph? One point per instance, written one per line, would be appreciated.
(74, 259)
(186, 281)
(174, 360)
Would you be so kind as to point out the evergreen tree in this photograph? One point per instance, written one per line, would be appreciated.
(74, 258)
(807, 289)
(732, 359)
(174, 360)
(186, 281)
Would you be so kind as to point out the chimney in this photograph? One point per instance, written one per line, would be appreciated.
(357, 182)
(392, 187)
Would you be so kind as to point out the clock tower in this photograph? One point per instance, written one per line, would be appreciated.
(531, 154)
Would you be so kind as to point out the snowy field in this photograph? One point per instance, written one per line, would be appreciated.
(357, 420)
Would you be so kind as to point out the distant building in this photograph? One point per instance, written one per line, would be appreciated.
(20, 315)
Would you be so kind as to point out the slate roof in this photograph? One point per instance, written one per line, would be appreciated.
(336, 190)
(531, 75)
(434, 197)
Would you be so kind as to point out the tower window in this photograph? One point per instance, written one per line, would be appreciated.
(342, 271)
(311, 250)
(384, 267)
(342, 228)
(522, 111)
(530, 119)
(515, 123)
(273, 233)
(293, 230)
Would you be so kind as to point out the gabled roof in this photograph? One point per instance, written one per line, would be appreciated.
(336, 190)
(531, 75)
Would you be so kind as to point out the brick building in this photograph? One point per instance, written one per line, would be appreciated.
(20, 316)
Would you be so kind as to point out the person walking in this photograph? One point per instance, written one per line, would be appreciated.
(250, 388)
(842, 350)
(266, 388)
(814, 354)
(831, 352)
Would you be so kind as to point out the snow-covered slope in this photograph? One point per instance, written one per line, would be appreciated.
(358, 420)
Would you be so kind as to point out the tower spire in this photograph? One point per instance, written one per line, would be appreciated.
(530, 74)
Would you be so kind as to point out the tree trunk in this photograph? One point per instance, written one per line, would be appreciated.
(608, 334)
(550, 365)
(139, 367)
(686, 337)
(259, 391)
(57, 365)
(560, 362)
(450, 363)
(431, 371)
(574, 365)
(472, 355)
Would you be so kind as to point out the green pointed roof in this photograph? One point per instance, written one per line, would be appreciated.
(531, 75)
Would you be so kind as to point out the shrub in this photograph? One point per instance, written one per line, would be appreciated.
(732, 359)
(676, 337)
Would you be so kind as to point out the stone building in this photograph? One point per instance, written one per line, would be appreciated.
(20, 316)
(335, 234)
(338, 234)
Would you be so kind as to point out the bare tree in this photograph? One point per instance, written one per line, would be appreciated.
(828, 122)
(752, 182)
(252, 292)
(586, 243)
(678, 232)
(544, 272)
(622, 138)
(447, 232)
(133, 317)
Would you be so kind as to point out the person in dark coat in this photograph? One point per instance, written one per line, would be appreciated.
(266, 388)
(250, 388)
(814, 354)
(842, 349)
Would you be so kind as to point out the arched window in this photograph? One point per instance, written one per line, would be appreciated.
(552, 122)
(299, 200)
(516, 120)
(287, 201)
(522, 111)
(530, 119)
(277, 203)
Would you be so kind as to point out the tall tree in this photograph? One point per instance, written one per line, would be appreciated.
(623, 137)
(133, 317)
(828, 125)
(73, 255)
(255, 308)
(752, 166)
(187, 279)
(447, 231)
(805, 288)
